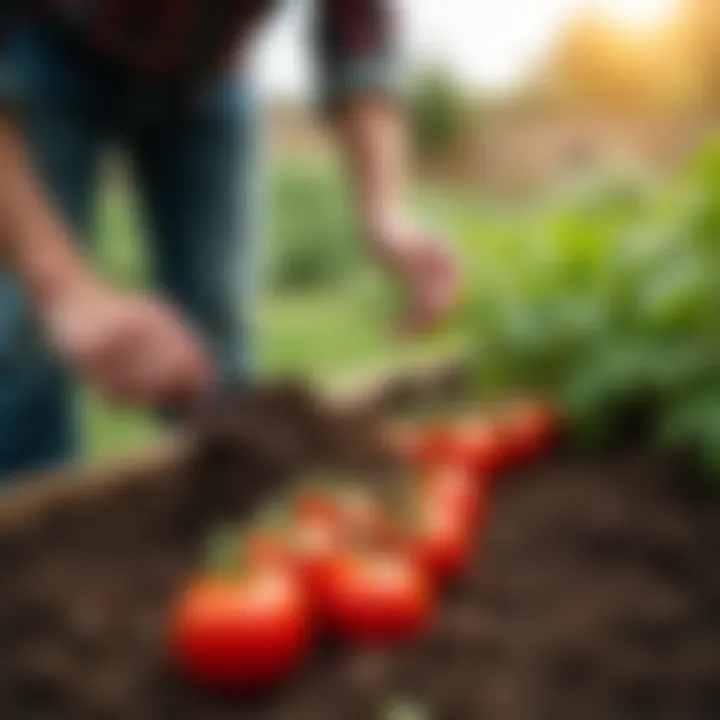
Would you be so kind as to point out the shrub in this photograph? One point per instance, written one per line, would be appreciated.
(312, 235)
(438, 113)
(610, 300)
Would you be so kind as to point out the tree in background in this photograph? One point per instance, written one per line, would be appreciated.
(439, 115)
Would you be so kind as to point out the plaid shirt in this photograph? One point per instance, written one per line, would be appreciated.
(185, 39)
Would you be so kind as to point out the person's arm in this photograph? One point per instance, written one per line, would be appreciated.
(133, 349)
(34, 244)
(372, 134)
(356, 48)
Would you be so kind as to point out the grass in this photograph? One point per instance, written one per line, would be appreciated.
(334, 333)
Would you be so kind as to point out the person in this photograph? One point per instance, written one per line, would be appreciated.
(168, 80)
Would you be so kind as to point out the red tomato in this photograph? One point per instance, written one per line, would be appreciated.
(456, 491)
(531, 427)
(268, 548)
(364, 520)
(482, 445)
(443, 540)
(477, 444)
(324, 528)
(241, 634)
(377, 599)
(316, 537)
(436, 443)
(420, 444)
(318, 506)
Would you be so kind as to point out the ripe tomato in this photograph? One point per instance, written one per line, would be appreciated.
(456, 491)
(268, 548)
(317, 505)
(241, 634)
(436, 443)
(443, 539)
(474, 443)
(419, 444)
(317, 537)
(377, 599)
(364, 519)
(324, 527)
(531, 428)
(481, 445)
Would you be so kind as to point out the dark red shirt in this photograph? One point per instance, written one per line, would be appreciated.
(353, 39)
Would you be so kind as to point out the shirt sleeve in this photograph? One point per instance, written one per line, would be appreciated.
(356, 50)
(10, 84)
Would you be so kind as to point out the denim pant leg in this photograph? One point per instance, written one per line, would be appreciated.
(36, 408)
(199, 170)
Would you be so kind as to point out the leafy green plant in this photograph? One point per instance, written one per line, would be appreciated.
(438, 113)
(608, 298)
(313, 241)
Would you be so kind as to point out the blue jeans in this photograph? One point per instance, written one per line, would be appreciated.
(195, 162)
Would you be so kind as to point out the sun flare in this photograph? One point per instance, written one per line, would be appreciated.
(640, 14)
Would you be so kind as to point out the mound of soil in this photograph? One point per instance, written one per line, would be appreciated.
(595, 592)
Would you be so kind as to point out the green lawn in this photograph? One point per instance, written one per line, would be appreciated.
(335, 333)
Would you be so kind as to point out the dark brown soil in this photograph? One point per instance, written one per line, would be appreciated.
(594, 595)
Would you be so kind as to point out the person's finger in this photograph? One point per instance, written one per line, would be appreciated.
(182, 371)
(118, 383)
(440, 285)
(137, 369)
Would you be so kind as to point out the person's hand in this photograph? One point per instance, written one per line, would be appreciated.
(134, 349)
(426, 268)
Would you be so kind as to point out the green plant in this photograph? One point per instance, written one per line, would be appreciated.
(609, 300)
(438, 111)
(313, 240)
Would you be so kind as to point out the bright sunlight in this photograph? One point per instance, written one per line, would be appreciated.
(638, 14)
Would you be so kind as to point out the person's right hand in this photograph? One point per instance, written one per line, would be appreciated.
(134, 349)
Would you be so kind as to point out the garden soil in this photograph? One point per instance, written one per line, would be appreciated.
(594, 593)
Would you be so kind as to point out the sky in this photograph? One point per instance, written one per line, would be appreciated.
(489, 44)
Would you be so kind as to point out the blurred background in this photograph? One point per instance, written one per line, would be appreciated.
(567, 148)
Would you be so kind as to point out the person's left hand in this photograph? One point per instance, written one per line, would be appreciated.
(426, 267)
